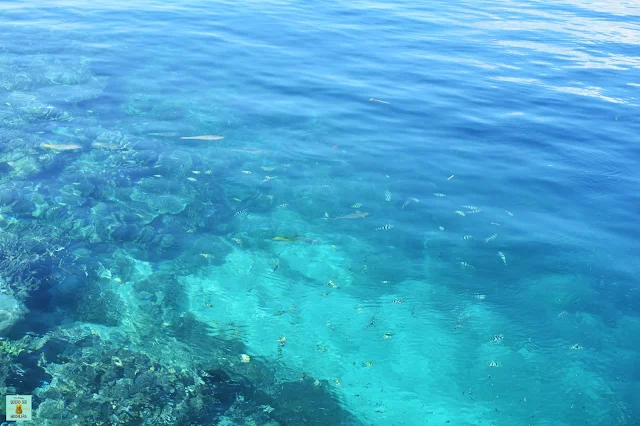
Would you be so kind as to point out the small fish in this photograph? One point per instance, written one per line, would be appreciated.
(450, 177)
(240, 212)
(333, 285)
(245, 358)
(509, 213)
(357, 215)
(236, 199)
(163, 134)
(378, 100)
(196, 172)
(192, 179)
(387, 195)
(367, 364)
(497, 338)
(282, 340)
(480, 297)
(203, 138)
(205, 255)
(493, 237)
(246, 172)
(61, 147)
(287, 239)
(356, 206)
(108, 146)
(282, 206)
(474, 211)
(398, 301)
(385, 282)
(494, 223)
(415, 200)
(276, 265)
(387, 335)
(441, 228)
(467, 237)
(503, 257)
(309, 241)
(466, 265)
(268, 169)
(268, 178)
(406, 203)
(458, 212)
(157, 176)
(470, 207)
(208, 172)
(385, 227)
(439, 194)
(326, 215)
(237, 241)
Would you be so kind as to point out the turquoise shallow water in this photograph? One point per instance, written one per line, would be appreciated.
(418, 213)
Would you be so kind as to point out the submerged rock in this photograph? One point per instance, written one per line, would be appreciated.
(11, 311)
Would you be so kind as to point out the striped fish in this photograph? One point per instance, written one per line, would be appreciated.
(458, 212)
(240, 212)
(467, 237)
(385, 228)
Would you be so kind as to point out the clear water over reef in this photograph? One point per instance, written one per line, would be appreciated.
(320, 213)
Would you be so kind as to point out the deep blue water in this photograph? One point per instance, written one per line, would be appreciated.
(485, 155)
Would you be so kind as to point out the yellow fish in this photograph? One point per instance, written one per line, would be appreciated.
(287, 239)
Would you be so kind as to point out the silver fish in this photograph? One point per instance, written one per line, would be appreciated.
(458, 212)
(503, 257)
(438, 194)
(203, 138)
(474, 211)
(470, 207)
(406, 203)
(467, 237)
(493, 237)
(385, 228)
(466, 265)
